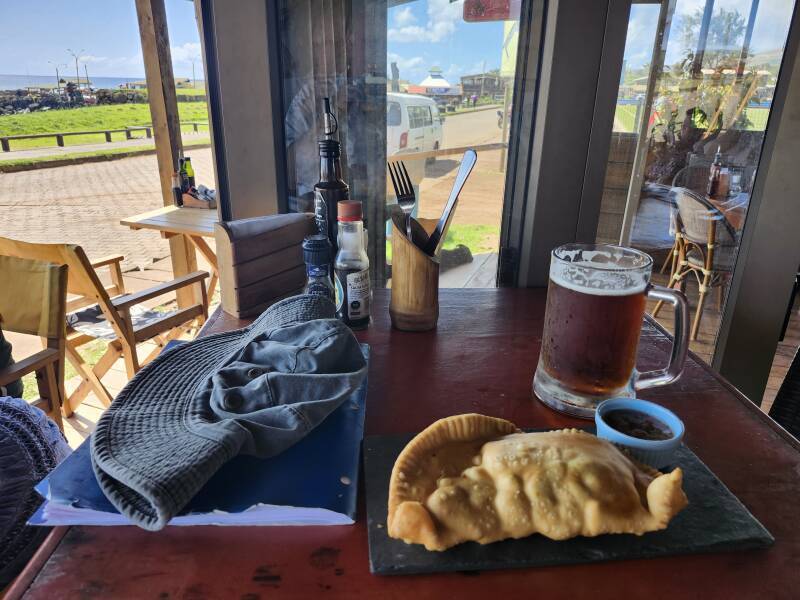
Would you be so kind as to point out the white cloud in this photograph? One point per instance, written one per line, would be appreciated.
(442, 18)
(94, 59)
(186, 52)
(405, 63)
(404, 16)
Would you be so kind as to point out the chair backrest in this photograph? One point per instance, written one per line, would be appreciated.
(698, 216)
(82, 278)
(34, 297)
(693, 176)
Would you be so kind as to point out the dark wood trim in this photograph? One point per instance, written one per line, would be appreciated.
(20, 585)
(215, 107)
(766, 264)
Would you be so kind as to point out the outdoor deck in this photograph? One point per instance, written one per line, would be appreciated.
(84, 204)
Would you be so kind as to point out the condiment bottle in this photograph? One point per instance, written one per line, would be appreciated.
(317, 256)
(352, 268)
(177, 194)
(331, 188)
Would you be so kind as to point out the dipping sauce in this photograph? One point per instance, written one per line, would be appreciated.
(637, 424)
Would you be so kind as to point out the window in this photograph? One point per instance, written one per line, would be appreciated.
(376, 60)
(419, 116)
(694, 98)
(393, 116)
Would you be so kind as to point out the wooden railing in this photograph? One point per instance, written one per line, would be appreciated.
(5, 141)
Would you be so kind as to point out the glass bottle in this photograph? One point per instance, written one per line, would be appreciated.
(187, 165)
(714, 174)
(331, 188)
(352, 268)
(317, 256)
(177, 194)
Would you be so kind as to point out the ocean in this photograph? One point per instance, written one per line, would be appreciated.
(16, 82)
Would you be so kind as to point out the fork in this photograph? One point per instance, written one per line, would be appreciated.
(403, 190)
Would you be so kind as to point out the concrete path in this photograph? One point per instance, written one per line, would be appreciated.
(83, 204)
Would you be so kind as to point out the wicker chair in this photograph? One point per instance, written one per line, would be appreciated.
(706, 248)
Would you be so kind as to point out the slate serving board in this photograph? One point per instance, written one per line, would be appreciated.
(714, 521)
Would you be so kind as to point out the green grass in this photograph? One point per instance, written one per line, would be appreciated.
(625, 115)
(480, 239)
(89, 118)
(758, 118)
(91, 353)
(20, 163)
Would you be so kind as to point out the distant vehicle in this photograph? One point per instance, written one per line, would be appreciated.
(413, 124)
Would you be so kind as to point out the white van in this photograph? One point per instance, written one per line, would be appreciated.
(413, 124)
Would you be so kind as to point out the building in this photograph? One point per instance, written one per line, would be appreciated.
(436, 86)
(483, 84)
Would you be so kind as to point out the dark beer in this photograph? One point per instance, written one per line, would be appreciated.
(590, 337)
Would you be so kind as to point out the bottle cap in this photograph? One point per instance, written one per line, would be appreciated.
(317, 250)
(349, 210)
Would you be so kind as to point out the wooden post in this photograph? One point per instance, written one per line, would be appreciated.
(166, 126)
(108, 136)
(4, 144)
(60, 140)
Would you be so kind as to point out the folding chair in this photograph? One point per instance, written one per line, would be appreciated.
(122, 321)
(33, 301)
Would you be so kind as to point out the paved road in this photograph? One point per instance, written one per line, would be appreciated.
(478, 127)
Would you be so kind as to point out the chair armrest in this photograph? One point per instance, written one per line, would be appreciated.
(27, 365)
(107, 260)
(159, 290)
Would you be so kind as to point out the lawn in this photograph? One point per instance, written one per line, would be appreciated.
(480, 239)
(89, 118)
(624, 117)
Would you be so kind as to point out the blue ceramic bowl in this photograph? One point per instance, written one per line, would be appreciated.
(656, 453)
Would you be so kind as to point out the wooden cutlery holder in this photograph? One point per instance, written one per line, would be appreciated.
(414, 305)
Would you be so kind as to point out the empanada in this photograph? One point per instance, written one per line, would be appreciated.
(477, 478)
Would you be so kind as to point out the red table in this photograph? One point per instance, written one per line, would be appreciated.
(480, 359)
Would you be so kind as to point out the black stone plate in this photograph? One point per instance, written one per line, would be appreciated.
(714, 521)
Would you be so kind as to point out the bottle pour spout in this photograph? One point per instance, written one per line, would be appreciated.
(330, 123)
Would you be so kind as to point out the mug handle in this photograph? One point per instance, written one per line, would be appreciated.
(680, 344)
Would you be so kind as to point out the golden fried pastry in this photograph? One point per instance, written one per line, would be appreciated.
(476, 478)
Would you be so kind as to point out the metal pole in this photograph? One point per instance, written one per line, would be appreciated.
(748, 35)
(640, 156)
(504, 134)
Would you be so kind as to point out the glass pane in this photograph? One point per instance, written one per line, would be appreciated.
(417, 81)
(688, 131)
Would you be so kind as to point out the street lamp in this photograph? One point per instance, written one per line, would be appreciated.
(58, 77)
(77, 56)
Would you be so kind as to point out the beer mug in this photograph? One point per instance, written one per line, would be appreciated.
(593, 319)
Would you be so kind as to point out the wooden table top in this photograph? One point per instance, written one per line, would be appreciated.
(172, 219)
(480, 359)
(734, 209)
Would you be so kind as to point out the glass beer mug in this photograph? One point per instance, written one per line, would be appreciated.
(593, 320)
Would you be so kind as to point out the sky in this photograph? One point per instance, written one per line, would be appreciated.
(432, 33)
(33, 32)
(421, 34)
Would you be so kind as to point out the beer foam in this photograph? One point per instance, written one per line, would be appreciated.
(610, 280)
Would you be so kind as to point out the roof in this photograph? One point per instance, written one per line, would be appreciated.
(435, 80)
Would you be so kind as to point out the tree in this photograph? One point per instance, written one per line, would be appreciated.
(724, 43)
